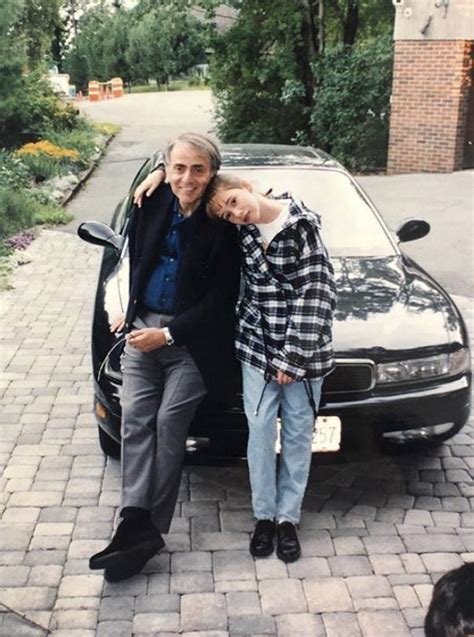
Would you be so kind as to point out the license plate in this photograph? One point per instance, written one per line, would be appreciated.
(326, 438)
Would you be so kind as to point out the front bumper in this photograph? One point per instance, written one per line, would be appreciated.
(412, 408)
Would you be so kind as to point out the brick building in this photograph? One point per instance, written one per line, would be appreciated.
(432, 109)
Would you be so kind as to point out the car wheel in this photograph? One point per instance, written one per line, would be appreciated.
(108, 445)
(417, 439)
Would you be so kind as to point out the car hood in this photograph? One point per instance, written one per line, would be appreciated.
(389, 307)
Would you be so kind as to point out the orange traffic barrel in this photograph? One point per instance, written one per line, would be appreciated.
(117, 86)
(94, 91)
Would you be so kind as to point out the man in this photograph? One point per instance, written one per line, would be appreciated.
(184, 277)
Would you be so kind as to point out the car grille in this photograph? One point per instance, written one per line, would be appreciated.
(351, 375)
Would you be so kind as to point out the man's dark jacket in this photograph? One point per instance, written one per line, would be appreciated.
(207, 284)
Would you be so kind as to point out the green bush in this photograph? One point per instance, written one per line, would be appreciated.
(42, 167)
(13, 172)
(33, 108)
(257, 77)
(51, 214)
(83, 138)
(350, 115)
(17, 211)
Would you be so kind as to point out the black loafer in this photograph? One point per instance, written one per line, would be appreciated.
(133, 542)
(288, 546)
(261, 544)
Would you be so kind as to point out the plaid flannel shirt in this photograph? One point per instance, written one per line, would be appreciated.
(285, 314)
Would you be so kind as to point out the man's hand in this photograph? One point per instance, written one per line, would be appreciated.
(148, 186)
(147, 339)
(284, 379)
(118, 323)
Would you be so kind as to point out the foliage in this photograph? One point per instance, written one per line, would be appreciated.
(350, 116)
(164, 40)
(42, 167)
(51, 214)
(21, 240)
(86, 59)
(45, 147)
(45, 160)
(106, 128)
(13, 172)
(28, 106)
(153, 40)
(257, 76)
(58, 153)
(36, 26)
(83, 141)
(274, 83)
(351, 21)
(19, 210)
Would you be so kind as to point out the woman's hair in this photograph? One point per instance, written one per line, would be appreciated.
(222, 181)
(451, 611)
(203, 144)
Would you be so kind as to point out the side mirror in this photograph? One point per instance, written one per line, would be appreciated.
(100, 234)
(412, 229)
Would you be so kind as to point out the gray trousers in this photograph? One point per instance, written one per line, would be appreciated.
(160, 394)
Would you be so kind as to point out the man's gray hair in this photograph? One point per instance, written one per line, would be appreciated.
(203, 144)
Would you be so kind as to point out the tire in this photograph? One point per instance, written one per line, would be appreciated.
(108, 445)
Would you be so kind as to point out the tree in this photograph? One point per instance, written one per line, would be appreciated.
(86, 59)
(37, 24)
(153, 40)
(350, 114)
(264, 72)
(261, 75)
(164, 40)
(27, 102)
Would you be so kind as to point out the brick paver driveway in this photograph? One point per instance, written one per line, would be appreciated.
(377, 531)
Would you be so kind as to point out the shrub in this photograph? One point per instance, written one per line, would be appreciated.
(20, 210)
(45, 147)
(42, 167)
(350, 115)
(82, 141)
(17, 210)
(13, 172)
(44, 160)
(50, 214)
(32, 108)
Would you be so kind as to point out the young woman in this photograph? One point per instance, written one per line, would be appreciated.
(284, 343)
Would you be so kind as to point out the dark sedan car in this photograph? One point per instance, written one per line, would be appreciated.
(402, 358)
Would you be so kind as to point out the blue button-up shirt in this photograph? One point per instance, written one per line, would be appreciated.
(160, 290)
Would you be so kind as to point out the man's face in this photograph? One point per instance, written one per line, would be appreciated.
(188, 174)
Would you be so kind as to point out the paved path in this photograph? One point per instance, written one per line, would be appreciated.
(376, 533)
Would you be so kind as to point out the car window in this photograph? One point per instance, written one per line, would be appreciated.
(349, 225)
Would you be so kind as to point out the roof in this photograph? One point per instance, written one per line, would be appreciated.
(274, 155)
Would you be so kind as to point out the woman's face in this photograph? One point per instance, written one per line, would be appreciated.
(237, 205)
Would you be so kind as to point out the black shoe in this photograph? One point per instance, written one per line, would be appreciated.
(261, 544)
(288, 546)
(135, 540)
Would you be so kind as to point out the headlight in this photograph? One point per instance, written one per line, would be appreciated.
(422, 368)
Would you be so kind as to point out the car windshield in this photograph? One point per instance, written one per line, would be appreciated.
(349, 226)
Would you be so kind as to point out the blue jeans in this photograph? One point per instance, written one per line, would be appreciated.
(278, 498)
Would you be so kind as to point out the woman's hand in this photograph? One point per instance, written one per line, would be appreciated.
(118, 323)
(146, 339)
(284, 379)
(148, 186)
